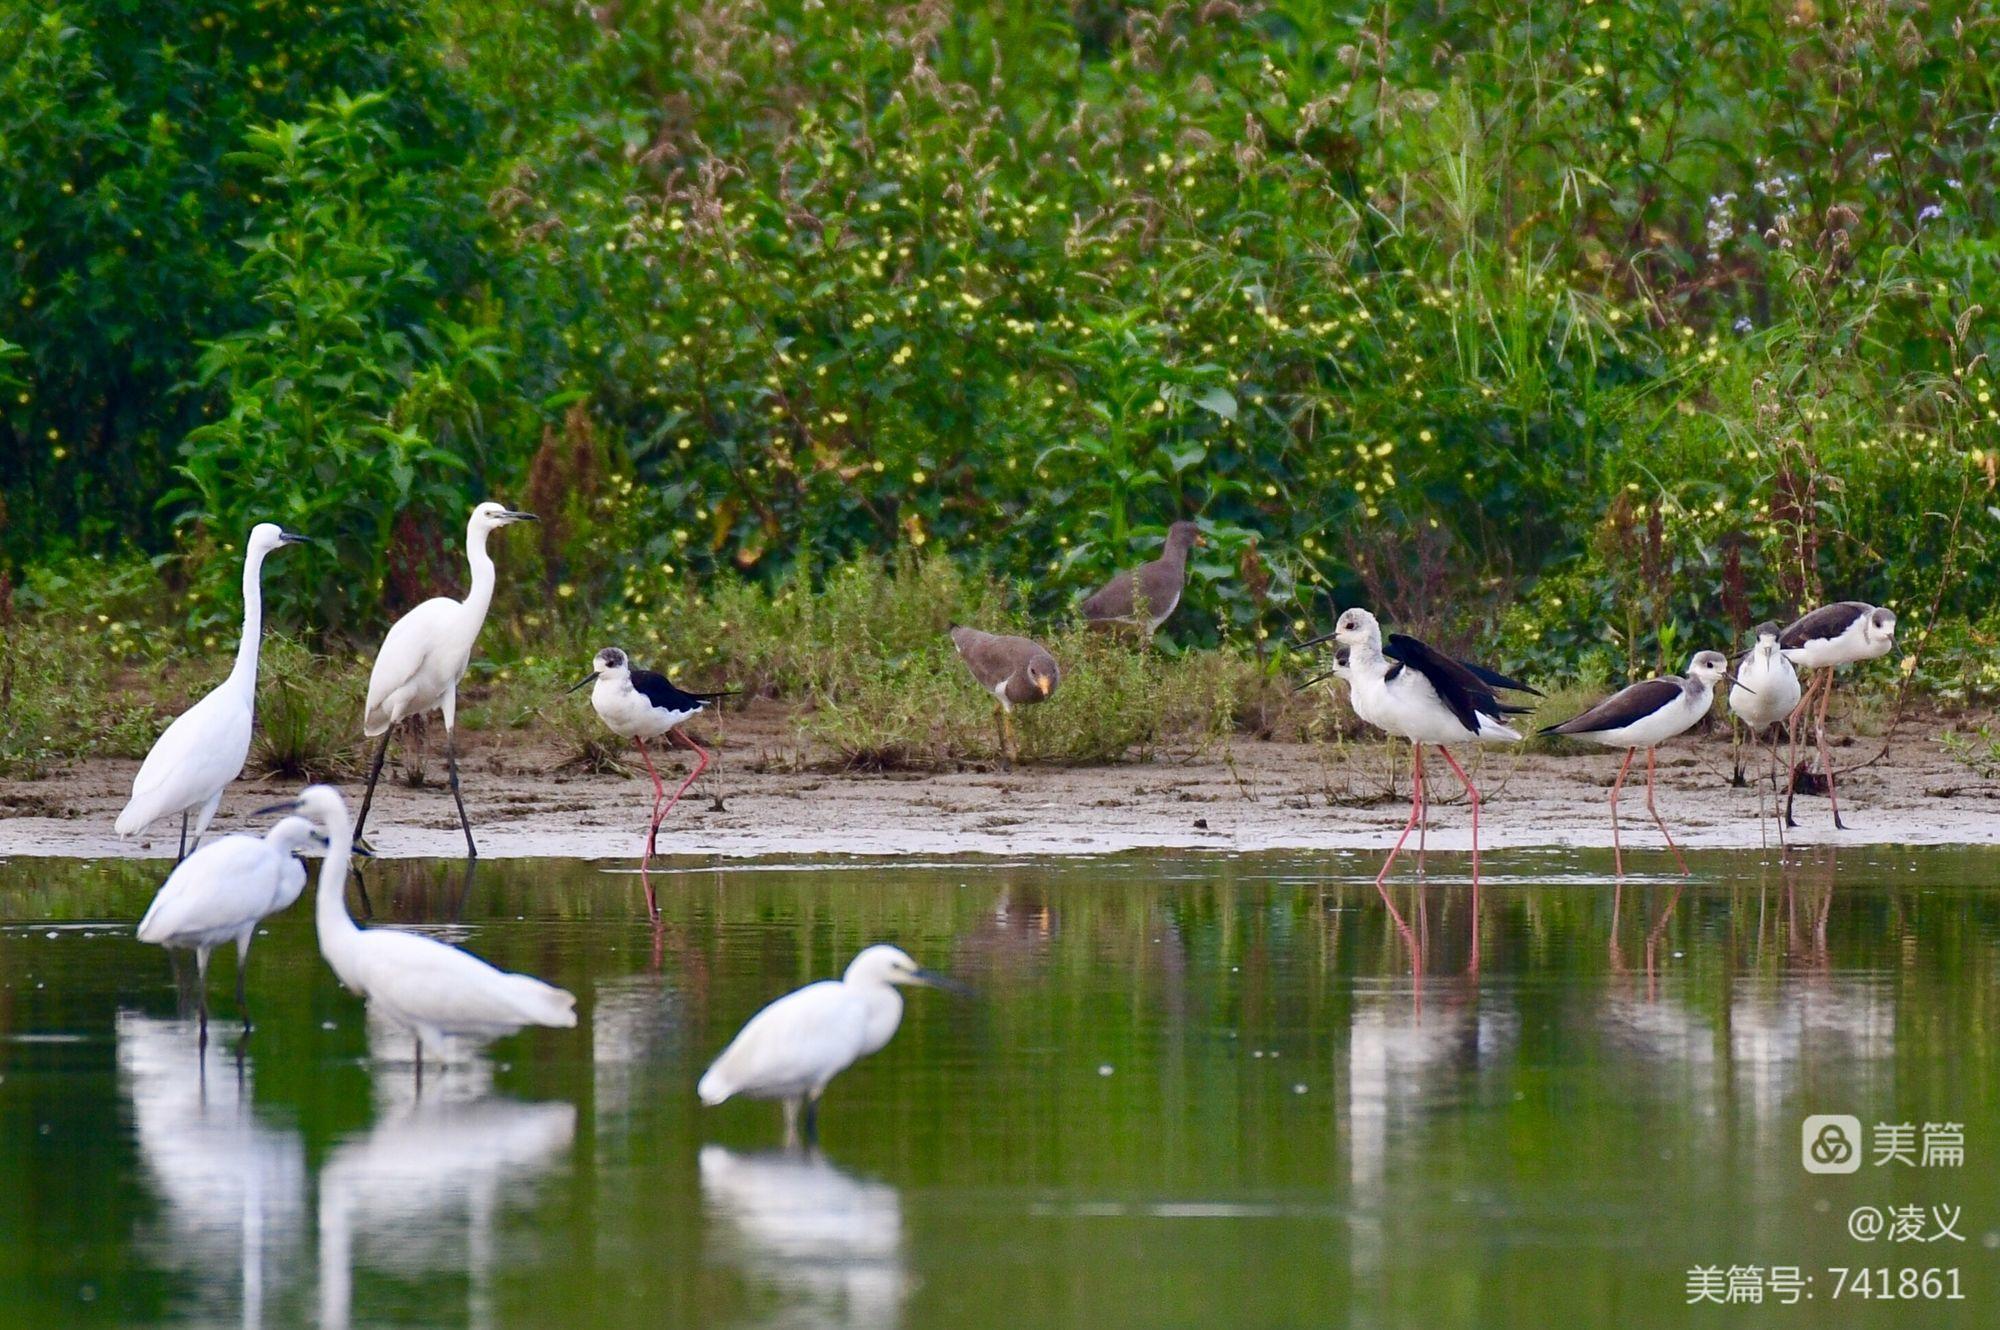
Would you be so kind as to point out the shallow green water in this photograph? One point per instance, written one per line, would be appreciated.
(1195, 1090)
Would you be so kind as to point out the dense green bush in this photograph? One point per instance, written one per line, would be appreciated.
(1624, 325)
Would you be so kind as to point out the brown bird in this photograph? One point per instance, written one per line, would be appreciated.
(1016, 670)
(1143, 597)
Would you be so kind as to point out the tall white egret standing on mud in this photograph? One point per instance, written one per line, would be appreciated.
(206, 746)
(1410, 690)
(1831, 636)
(641, 705)
(1646, 715)
(794, 1046)
(222, 891)
(428, 987)
(1766, 695)
(425, 655)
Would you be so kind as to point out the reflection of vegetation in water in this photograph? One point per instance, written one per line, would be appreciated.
(1213, 1083)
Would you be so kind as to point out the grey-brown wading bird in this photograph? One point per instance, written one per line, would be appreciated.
(1142, 598)
(1018, 671)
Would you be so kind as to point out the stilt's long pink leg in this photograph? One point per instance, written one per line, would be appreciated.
(1423, 801)
(1656, 815)
(1825, 753)
(1416, 807)
(700, 766)
(1799, 715)
(1472, 791)
(1617, 853)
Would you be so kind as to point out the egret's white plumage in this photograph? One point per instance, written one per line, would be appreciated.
(429, 987)
(222, 891)
(427, 652)
(792, 1048)
(194, 760)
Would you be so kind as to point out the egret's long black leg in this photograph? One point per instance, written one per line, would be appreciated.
(374, 774)
(451, 762)
(184, 837)
(811, 1124)
(242, 1000)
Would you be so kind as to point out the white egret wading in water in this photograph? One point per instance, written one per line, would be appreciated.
(426, 986)
(793, 1047)
(206, 746)
(222, 891)
(425, 655)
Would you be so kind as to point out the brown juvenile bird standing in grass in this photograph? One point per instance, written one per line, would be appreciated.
(1142, 598)
(1016, 670)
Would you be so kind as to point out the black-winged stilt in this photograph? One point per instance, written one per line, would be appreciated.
(1765, 696)
(1018, 671)
(641, 705)
(1646, 715)
(205, 747)
(1831, 636)
(424, 656)
(1142, 598)
(1408, 689)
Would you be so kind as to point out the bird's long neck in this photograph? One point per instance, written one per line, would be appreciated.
(337, 929)
(1176, 552)
(481, 596)
(1368, 652)
(243, 677)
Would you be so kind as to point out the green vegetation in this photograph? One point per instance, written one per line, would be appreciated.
(1614, 329)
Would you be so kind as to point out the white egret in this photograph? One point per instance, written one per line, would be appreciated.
(222, 891)
(1843, 633)
(792, 1048)
(425, 655)
(428, 987)
(1646, 715)
(1408, 689)
(206, 746)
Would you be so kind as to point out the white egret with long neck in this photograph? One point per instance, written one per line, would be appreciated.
(428, 987)
(205, 748)
(424, 656)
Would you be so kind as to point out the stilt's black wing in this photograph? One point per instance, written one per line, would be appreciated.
(664, 694)
(1823, 624)
(1622, 708)
(1458, 687)
(1495, 679)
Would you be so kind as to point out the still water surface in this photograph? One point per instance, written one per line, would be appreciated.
(1194, 1090)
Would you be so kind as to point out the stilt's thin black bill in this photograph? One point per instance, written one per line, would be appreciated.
(588, 678)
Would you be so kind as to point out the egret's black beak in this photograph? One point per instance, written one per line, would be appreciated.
(520, 517)
(932, 979)
(289, 806)
(588, 678)
(293, 538)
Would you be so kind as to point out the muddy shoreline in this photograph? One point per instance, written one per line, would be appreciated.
(763, 798)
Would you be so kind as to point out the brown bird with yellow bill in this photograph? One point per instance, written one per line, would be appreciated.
(1016, 670)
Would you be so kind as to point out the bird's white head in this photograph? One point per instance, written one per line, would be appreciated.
(609, 663)
(1766, 634)
(267, 536)
(320, 804)
(1357, 628)
(289, 835)
(884, 964)
(489, 515)
(1881, 627)
(1708, 667)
